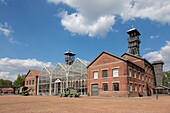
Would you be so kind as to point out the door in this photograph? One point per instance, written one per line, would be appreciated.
(94, 90)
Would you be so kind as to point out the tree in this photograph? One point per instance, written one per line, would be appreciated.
(19, 81)
(165, 78)
(5, 82)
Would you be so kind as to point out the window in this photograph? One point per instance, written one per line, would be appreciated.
(138, 75)
(32, 82)
(135, 87)
(143, 87)
(131, 87)
(105, 87)
(140, 88)
(134, 74)
(115, 72)
(104, 73)
(115, 86)
(29, 82)
(95, 75)
(130, 73)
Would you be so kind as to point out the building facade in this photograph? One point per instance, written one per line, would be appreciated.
(158, 68)
(128, 75)
(31, 80)
(73, 74)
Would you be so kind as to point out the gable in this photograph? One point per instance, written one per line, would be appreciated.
(44, 72)
(106, 58)
(59, 69)
(137, 60)
(78, 67)
(32, 73)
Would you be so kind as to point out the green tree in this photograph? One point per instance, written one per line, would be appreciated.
(5, 82)
(19, 81)
(165, 78)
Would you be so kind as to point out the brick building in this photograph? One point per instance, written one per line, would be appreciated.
(128, 75)
(158, 68)
(31, 81)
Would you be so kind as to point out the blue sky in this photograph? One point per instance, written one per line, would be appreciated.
(36, 33)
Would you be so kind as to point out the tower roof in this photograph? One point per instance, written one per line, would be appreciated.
(70, 53)
(133, 30)
(157, 62)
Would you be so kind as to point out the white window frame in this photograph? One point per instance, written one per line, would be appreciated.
(115, 72)
(95, 74)
(131, 86)
(136, 87)
(135, 73)
(130, 72)
(139, 74)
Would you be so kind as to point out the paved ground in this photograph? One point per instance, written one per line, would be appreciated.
(54, 104)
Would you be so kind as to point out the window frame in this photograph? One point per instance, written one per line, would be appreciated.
(95, 77)
(104, 88)
(130, 72)
(32, 82)
(116, 88)
(115, 72)
(29, 82)
(135, 74)
(104, 74)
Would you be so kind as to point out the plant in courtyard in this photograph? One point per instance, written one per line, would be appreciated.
(165, 78)
(19, 81)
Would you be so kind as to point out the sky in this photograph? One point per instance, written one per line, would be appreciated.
(36, 33)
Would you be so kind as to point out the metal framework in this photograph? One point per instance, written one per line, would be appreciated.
(64, 76)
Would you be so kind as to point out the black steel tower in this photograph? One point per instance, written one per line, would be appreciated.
(134, 41)
(69, 57)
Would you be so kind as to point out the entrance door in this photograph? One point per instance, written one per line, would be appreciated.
(94, 90)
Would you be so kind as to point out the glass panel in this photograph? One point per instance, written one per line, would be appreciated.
(104, 73)
(105, 87)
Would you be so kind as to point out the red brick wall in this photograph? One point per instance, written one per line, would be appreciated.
(149, 70)
(31, 77)
(106, 61)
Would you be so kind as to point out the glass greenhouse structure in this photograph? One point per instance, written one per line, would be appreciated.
(57, 80)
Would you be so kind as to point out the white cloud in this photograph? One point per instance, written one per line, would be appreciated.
(154, 37)
(162, 54)
(146, 49)
(155, 11)
(7, 31)
(75, 23)
(7, 76)
(4, 2)
(89, 13)
(10, 68)
(91, 18)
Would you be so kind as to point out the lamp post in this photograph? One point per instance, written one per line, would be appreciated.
(169, 88)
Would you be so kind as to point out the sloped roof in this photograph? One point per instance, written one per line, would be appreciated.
(108, 54)
(139, 58)
(34, 72)
(132, 56)
(65, 66)
(49, 69)
(157, 62)
(85, 62)
(121, 58)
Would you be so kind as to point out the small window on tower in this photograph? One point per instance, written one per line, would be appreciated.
(134, 33)
(133, 51)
